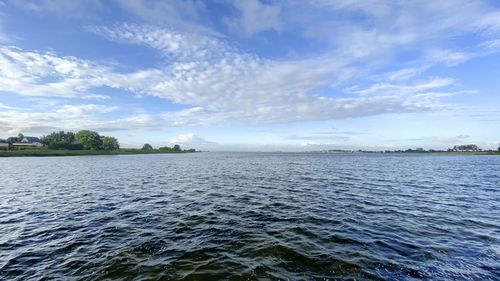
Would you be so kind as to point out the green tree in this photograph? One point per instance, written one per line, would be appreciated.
(4, 142)
(61, 140)
(176, 148)
(20, 137)
(110, 143)
(467, 147)
(11, 140)
(498, 149)
(89, 139)
(147, 146)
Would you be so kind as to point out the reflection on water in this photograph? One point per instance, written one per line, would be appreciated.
(249, 216)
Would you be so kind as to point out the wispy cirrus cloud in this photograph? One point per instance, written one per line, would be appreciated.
(182, 15)
(76, 9)
(4, 107)
(405, 89)
(46, 74)
(213, 75)
(219, 82)
(254, 17)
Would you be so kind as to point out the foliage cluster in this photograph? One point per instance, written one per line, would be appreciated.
(147, 146)
(85, 139)
(175, 148)
(466, 147)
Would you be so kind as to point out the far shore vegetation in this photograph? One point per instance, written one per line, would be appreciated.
(470, 149)
(84, 142)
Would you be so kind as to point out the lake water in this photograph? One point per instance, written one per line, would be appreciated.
(250, 216)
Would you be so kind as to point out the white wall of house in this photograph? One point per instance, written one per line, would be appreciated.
(37, 144)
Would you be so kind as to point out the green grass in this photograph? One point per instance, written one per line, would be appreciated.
(61, 152)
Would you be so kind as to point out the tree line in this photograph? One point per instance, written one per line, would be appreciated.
(456, 148)
(86, 140)
(175, 148)
(466, 147)
(82, 140)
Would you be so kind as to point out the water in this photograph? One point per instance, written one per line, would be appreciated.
(249, 216)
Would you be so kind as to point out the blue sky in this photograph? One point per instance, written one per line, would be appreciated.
(254, 74)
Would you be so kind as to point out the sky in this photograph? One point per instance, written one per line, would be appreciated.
(291, 75)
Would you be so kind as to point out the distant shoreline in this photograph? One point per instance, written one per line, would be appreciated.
(133, 151)
(61, 152)
(413, 152)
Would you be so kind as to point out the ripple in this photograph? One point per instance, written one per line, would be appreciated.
(251, 216)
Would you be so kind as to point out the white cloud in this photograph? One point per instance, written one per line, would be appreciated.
(3, 106)
(74, 8)
(226, 85)
(254, 17)
(490, 22)
(371, 7)
(190, 139)
(492, 45)
(311, 143)
(45, 74)
(449, 58)
(384, 27)
(182, 15)
(405, 89)
(405, 73)
(83, 110)
(66, 117)
(220, 83)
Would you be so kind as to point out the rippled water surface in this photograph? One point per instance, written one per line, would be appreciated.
(250, 216)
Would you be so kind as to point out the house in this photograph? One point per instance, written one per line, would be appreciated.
(29, 141)
(32, 140)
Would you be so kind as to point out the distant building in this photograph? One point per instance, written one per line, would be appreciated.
(29, 141)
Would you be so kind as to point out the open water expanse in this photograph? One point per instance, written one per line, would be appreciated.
(250, 216)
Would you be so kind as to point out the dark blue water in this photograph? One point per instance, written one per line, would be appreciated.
(250, 216)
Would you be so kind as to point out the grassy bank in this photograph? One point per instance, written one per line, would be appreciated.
(60, 152)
